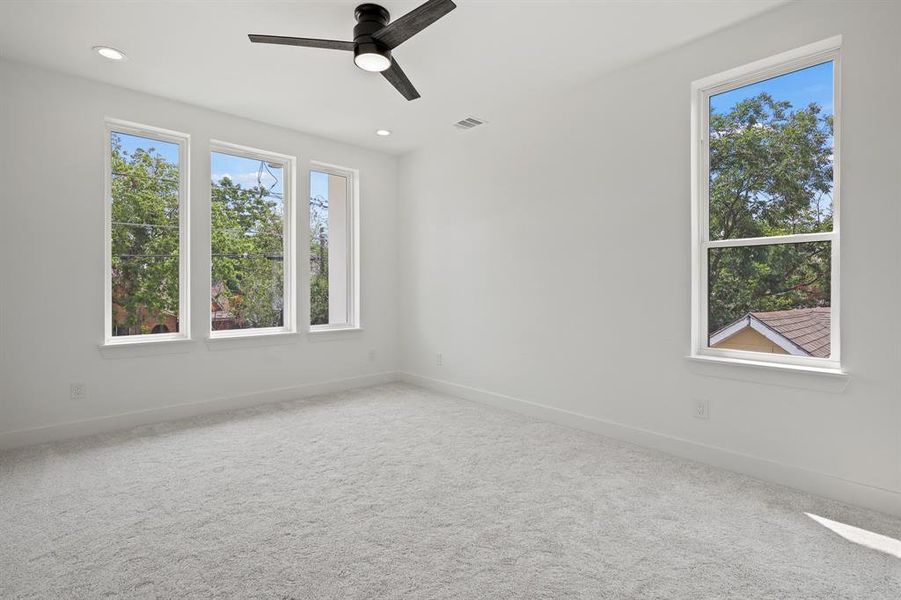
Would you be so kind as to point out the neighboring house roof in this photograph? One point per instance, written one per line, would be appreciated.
(220, 304)
(801, 331)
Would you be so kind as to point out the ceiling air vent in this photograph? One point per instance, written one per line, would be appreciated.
(469, 123)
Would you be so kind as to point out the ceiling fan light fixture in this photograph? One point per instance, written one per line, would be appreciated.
(370, 59)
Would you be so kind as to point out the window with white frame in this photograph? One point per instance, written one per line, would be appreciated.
(251, 241)
(146, 283)
(766, 224)
(333, 244)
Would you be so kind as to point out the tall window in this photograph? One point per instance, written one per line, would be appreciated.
(767, 219)
(251, 241)
(333, 233)
(146, 233)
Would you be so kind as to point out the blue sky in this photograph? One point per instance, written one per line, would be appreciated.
(813, 84)
(239, 169)
(246, 171)
(319, 188)
(318, 184)
(130, 143)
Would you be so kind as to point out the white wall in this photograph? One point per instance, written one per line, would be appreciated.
(51, 262)
(546, 256)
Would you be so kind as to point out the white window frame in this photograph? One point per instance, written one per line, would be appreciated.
(353, 250)
(289, 164)
(702, 90)
(184, 281)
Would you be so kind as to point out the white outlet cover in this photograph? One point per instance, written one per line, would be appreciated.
(701, 409)
(78, 391)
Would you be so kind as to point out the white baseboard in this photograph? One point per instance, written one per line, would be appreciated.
(74, 429)
(821, 484)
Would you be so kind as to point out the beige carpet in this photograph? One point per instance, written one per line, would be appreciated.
(395, 492)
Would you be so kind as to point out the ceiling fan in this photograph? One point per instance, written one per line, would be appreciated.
(375, 38)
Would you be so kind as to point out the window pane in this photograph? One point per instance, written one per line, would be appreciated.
(329, 248)
(247, 238)
(145, 235)
(771, 151)
(772, 298)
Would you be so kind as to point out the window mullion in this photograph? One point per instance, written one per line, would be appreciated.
(798, 238)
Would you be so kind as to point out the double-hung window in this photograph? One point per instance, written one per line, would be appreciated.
(334, 279)
(766, 218)
(146, 222)
(251, 241)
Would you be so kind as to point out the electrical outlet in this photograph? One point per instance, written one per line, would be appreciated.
(701, 409)
(439, 359)
(78, 391)
(372, 356)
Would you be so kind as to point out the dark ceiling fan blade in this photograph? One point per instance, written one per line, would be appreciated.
(396, 33)
(296, 41)
(396, 76)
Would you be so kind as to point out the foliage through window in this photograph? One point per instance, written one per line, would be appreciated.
(769, 242)
(331, 249)
(145, 287)
(248, 242)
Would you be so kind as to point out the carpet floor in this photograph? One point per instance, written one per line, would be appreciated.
(397, 492)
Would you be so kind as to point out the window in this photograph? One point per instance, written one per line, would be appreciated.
(251, 241)
(146, 287)
(766, 221)
(333, 244)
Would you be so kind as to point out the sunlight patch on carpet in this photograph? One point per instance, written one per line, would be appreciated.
(864, 537)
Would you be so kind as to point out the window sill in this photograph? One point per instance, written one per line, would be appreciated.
(333, 333)
(145, 347)
(798, 376)
(249, 339)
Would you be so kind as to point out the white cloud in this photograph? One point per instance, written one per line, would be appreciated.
(246, 179)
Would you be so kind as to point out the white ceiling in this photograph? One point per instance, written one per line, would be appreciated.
(477, 59)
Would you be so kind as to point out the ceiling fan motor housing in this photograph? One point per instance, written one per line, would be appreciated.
(370, 18)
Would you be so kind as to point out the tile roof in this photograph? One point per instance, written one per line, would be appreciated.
(807, 328)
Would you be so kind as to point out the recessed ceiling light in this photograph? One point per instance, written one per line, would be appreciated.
(109, 52)
(382, 132)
